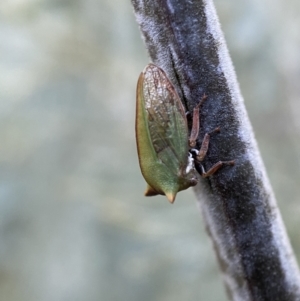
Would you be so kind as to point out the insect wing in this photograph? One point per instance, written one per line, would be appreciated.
(166, 119)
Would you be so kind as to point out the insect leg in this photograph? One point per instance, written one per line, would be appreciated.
(214, 168)
(196, 123)
(205, 144)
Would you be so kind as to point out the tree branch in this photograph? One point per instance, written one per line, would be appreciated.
(184, 38)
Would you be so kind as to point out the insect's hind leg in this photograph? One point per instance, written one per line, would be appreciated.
(196, 123)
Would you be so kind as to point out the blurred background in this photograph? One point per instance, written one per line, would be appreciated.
(74, 224)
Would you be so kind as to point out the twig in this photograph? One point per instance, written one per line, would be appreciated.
(239, 209)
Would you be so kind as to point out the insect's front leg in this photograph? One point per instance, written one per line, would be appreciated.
(199, 156)
(199, 167)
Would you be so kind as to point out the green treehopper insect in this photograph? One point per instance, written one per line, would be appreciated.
(168, 160)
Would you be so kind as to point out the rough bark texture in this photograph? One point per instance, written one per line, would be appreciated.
(239, 209)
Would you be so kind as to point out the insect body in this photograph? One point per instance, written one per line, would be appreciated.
(164, 147)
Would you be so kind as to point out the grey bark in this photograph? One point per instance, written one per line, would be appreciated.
(184, 38)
